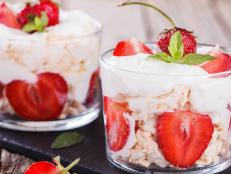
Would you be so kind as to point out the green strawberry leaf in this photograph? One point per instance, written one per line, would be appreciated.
(176, 47)
(195, 59)
(162, 56)
(37, 24)
(67, 139)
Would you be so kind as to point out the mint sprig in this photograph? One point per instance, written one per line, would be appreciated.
(176, 50)
(37, 23)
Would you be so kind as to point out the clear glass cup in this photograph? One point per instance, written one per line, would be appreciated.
(75, 59)
(134, 103)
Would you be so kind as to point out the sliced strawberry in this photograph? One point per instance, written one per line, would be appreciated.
(188, 39)
(183, 136)
(42, 167)
(222, 62)
(7, 17)
(229, 108)
(131, 47)
(93, 87)
(43, 100)
(2, 86)
(117, 127)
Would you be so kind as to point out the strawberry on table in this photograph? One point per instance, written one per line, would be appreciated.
(131, 47)
(41, 101)
(117, 127)
(222, 62)
(45, 167)
(7, 16)
(183, 136)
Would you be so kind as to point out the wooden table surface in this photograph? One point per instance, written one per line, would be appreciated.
(209, 19)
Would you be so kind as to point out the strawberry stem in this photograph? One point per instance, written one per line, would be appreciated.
(151, 6)
(72, 164)
(65, 170)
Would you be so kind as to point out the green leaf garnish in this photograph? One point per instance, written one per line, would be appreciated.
(176, 47)
(163, 56)
(37, 24)
(195, 59)
(67, 139)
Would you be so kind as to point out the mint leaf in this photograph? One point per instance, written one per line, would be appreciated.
(163, 56)
(176, 47)
(37, 24)
(67, 139)
(195, 59)
(29, 27)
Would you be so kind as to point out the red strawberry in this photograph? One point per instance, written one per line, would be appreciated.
(7, 17)
(26, 14)
(43, 100)
(93, 87)
(222, 62)
(48, 6)
(188, 39)
(131, 47)
(229, 108)
(2, 86)
(117, 127)
(51, 9)
(183, 136)
(44, 167)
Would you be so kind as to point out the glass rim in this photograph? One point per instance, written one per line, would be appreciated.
(99, 28)
(214, 75)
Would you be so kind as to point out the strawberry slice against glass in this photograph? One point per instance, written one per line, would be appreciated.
(222, 62)
(2, 86)
(183, 136)
(7, 17)
(41, 101)
(131, 47)
(117, 127)
(93, 87)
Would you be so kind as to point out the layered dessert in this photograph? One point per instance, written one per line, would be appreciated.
(167, 103)
(48, 60)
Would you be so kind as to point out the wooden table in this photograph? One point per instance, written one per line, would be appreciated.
(209, 19)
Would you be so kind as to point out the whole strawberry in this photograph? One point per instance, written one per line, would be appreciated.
(45, 167)
(188, 40)
(46, 12)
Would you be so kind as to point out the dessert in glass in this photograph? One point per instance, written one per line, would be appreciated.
(48, 67)
(167, 105)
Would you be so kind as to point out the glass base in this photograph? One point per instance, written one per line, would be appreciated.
(9, 122)
(136, 169)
